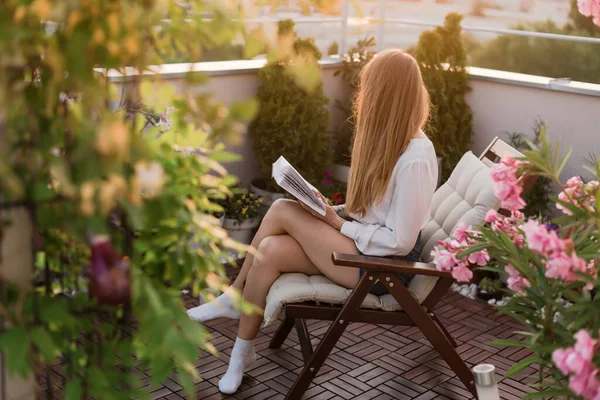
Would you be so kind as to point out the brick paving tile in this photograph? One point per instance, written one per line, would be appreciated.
(368, 363)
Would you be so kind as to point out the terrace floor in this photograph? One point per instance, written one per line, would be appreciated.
(369, 362)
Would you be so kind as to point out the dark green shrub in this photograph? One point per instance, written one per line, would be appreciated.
(353, 61)
(291, 121)
(442, 56)
(538, 197)
(546, 57)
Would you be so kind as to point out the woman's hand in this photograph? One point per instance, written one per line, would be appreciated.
(331, 217)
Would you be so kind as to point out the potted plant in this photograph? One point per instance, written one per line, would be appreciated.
(334, 191)
(242, 215)
(353, 61)
(442, 55)
(292, 120)
(553, 273)
(489, 288)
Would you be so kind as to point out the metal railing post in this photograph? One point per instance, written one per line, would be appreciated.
(344, 27)
(381, 26)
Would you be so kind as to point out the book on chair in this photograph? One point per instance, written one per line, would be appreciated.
(292, 182)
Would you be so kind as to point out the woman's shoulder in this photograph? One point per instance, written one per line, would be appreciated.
(419, 150)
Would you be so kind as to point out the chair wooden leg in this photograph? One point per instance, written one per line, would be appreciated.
(432, 330)
(443, 328)
(282, 333)
(304, 339)
(331, 337)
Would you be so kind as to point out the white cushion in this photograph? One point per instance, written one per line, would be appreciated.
(465, 197)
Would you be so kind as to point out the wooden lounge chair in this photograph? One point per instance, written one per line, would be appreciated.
(465, 197)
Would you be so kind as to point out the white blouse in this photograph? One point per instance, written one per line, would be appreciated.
(392, 226)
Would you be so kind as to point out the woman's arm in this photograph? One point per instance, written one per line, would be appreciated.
(331, 217)
(414, 187)
(340, 210)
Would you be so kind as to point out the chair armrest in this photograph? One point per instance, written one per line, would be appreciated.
(388, 265)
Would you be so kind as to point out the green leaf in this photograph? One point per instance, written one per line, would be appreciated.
(186, 382)
(153, 296)
(44, 343)
(520, 366)
(160, 368)
(40, 192)
(16, 345)
(74, 389)
(225, 157)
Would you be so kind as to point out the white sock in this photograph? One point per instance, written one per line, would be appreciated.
(242, 357)
(221, 307)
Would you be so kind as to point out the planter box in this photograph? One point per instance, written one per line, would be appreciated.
(268, 197)
(242, 232)
(340, 172)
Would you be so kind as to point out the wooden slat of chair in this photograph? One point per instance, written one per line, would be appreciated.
(412, 314)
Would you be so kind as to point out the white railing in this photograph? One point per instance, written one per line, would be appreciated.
(382, 21)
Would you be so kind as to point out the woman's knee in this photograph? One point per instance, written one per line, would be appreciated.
(279, 209)
(269, 254)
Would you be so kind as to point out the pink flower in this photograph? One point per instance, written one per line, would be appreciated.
(444, 259)
(536, 236)
(590, 8)
(579, 194)
(540, 239)
(460, 233)
(462, 274)
(501, 172)
(577, 360)
(559, 358)
(506, 185)
(504, 189)
(491, 216)
(574, 181)
(584, 384)
(560, 265)
(577, 363)
(515, 281)
(514, 202)
(480, 258)
(584, 344)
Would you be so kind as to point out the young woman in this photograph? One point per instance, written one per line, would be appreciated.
(392, 179)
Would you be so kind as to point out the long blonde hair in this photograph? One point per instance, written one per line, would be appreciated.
(391, 105)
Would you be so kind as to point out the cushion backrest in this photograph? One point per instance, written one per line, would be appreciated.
(466, 197)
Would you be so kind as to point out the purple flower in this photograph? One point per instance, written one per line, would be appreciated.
(551, 227)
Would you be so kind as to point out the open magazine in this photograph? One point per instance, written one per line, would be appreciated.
(292, 182)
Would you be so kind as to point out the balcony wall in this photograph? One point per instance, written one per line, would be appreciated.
(502, 102)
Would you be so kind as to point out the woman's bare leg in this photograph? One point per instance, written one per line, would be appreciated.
(288, 217)
(268, 227)
(222, 306)
(305, 247)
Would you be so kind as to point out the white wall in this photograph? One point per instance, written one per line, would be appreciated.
(502, 102)
(572, 118)
(229, 88)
